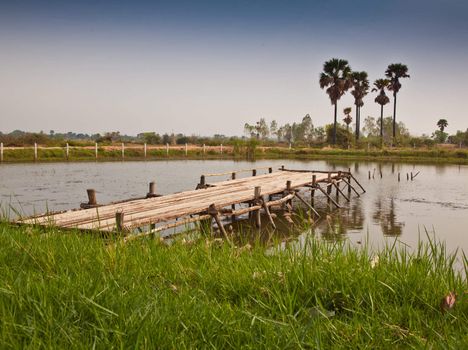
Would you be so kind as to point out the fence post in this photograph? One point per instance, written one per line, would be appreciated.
(221, 148)
(203, 148)
(1, 152)
(186, 149)
(167, 149)
(123, 150)
(144, 150)
(96, 149)
(35, 151)
(67, 151)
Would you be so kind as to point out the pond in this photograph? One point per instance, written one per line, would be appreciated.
(436, 201)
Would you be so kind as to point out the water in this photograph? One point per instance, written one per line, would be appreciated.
(436, 201)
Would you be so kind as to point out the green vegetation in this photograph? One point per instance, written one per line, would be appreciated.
(71, 291)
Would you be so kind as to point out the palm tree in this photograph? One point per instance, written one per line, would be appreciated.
(347, 119)
(336, 77)
(442, 124)
(361, 88)
(395, 72)
(382, 99)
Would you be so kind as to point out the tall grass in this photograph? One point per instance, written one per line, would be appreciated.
(74, 291)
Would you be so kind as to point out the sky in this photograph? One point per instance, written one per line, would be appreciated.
(208, 67)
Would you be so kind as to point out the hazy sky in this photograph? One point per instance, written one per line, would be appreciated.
(204, 67)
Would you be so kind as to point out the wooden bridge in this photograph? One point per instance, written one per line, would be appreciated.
(231, 198)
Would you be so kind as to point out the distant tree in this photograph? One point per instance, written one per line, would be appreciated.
(442, 124)
(274, 128)
(361, 88)
(250, 130)
(395, 72)
(382, 99)
(347, 119)
(262, 128)
(287, 133)
(336, 77)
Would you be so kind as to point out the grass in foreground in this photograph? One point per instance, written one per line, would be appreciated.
(70, 291)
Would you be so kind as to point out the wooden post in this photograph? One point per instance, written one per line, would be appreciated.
(91, 196)
(186, 150)
(167, 149)
(289, 191)
(123, 150)
(144, 150)
(411, 176)
(96, 149)
(349, 178)
(270, 170)
(267, 212)
(1, 152)
(407, 176)
(398, 177)
(204, 149)
(254, 172)
(312, 191)
(119, 220)
(221, 148)
(369, 174)
(337, 185)
(202, 183)
(282, 167)
(35, 151)
(152, 190)
(67, 151)
(257, 192)
(215, 214)
(329, 188)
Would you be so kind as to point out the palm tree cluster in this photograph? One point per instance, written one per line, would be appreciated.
(337, 77)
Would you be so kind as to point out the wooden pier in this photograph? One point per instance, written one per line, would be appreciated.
(230, 198)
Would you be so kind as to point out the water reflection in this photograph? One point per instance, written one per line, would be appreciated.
(386, 216)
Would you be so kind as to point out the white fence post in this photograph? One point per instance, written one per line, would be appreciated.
(203, 148)
(96, 149)
(145, 150)
(186, 149)
(221, 148)
(67, 151)
(123, 150)
(1, 152)
(35, 151)
(167, 149)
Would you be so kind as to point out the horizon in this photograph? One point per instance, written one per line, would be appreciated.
(208, 68)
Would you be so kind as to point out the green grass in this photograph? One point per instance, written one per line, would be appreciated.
(431, 155)
(72, 291)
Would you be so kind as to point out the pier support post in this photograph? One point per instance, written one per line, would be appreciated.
(312, 190)
(270, 170)
(258, 219)
(152, 190)
(337, 185)
(254, 172)
(349, 179)
(91, 196)
(215, 214)
(119, 221)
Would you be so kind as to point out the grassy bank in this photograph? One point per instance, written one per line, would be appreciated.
(441, 155)
(71, 291)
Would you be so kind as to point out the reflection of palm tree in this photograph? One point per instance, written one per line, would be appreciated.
(337, 226)
(390, 225)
